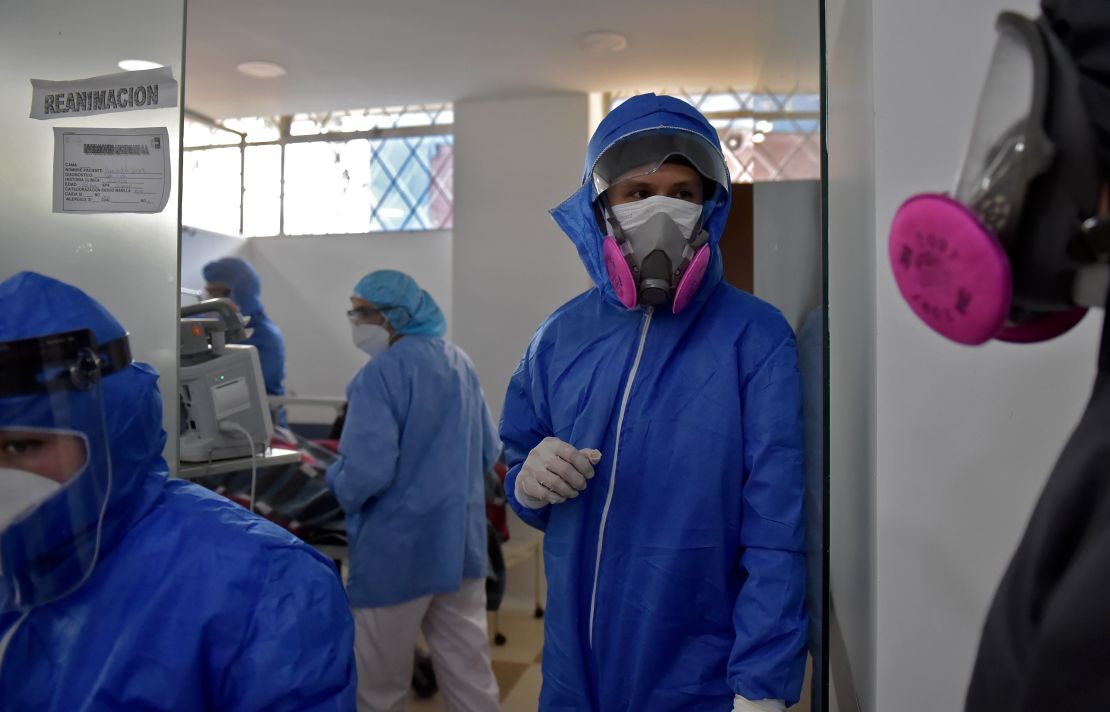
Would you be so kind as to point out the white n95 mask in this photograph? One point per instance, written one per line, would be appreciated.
(371, 338)
(21, 492)
(636, 214)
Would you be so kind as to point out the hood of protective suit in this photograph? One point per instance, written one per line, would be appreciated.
(48, 552)
(241, 278)
(1082, 26)
(576, 215)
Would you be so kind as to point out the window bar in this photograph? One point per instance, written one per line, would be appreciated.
(409, 136)
(242, 180)
(209, 121)
(283, 125)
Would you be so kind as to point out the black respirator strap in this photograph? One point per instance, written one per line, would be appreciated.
(115, 356)
(1104, 346)
(700, 236)
(1092, 243)
(68, 360)
(605, 217)
(1056, 236)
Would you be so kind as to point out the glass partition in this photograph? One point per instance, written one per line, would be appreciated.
(125, 260)
(447, 173)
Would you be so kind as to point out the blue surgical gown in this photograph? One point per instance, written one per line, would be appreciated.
(242, 279)
(267, 339)
(201, 605)
(416, 443)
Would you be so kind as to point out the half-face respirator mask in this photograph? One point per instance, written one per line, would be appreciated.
(655, 188)
(998, 258)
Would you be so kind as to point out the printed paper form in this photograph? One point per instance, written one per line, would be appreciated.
(111, 170)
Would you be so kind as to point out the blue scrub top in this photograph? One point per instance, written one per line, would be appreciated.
(416, 443)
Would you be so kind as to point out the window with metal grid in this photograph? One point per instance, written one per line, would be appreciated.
(339, 172)
(766, 135)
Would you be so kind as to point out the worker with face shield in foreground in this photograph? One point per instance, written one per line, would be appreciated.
(120, 589)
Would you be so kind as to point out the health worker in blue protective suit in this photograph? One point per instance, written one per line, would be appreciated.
(416, 443)
(120, 589)
(235, 279)
(676, 566)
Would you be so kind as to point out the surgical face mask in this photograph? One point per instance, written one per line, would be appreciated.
(21, 492)
(633, 216)
(371, 338)
(656, 251)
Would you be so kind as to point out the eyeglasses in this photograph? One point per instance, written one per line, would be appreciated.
(363, 314)
(370, 313)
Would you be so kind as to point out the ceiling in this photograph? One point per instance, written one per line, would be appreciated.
(345, 54)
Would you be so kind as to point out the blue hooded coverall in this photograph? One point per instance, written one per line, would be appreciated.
(416, 443)
(677, 578)
(193, 603)
(242, 280)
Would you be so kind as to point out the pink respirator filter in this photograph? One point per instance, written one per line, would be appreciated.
(620, 276)
(950, 269)
(691, 279)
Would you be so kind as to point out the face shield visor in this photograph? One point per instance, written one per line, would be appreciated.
(642, 154)
(655, 189)
(1009, 146)
(55, 463)
(976, 264)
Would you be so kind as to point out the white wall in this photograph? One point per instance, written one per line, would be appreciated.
(306, 287)
(786, 246)
(514, 159)
(126, 261)
(505, 267)
(787, 272)
(199, 247)
(851, 306)
(307, 282)
(964, 438)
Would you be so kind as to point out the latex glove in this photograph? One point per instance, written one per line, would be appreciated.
(554, 472)
(742, 704)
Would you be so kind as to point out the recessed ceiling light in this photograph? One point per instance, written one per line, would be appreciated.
(758, 138)
(603, 42)
(764, 126)
(261, 70)
(135, 65)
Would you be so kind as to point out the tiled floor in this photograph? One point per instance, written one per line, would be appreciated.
(516, 664)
